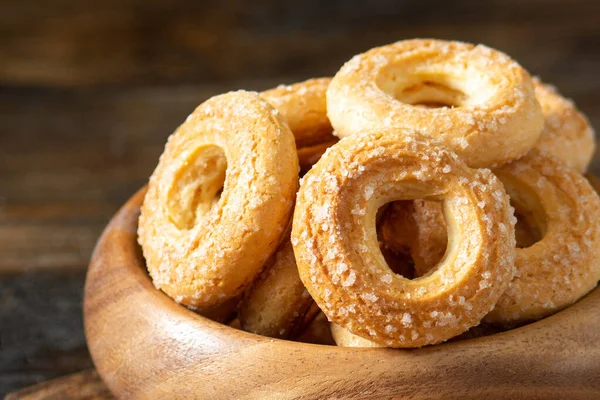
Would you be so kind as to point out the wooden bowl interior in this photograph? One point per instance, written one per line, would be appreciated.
(147, 346)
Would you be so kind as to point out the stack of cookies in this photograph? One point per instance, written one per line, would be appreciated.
(429, 187)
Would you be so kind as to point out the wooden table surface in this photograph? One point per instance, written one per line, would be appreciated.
(89, 92)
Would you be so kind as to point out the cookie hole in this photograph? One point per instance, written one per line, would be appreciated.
(196, 186)
(217, 196)
(526, 232)
(401, 263)
(430, 94)
(532, 221)
(412, 236)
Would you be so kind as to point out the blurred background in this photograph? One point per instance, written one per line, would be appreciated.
(90, 90)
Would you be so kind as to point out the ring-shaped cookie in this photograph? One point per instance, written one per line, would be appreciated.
(277, 302)
(304, 107)
(203, 249)
(564, 264)
(557, 258)
(344, 338)
(567, 134)
(337, 253)
(491, 114)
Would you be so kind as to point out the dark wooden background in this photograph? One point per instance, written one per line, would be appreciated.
(89, 91)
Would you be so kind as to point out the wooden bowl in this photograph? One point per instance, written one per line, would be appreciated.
(147, 346)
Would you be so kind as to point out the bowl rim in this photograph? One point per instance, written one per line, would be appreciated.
(118, 275)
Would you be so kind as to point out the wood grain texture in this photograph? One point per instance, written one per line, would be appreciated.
(133, 41)
(147, 346)
(41, 327)
(85, 385)
(69, 158)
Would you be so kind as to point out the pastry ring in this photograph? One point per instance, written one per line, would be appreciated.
(564, 264)
(277, 303)
(567, 134)
(557, 260)
(304, 107)
(337, 253)
(491, 115)
(203, 249)
(342, 337)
